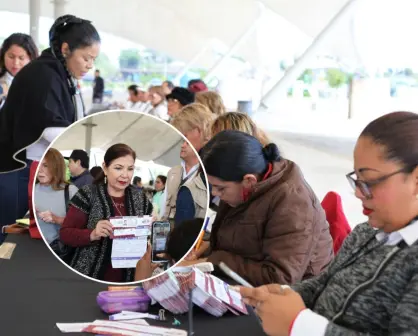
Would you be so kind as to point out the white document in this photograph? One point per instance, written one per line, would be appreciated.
(129, 329)
(124, 232)
(130, 237)
(130, 221)
(200, 279)
(72, 327)
(220, 289)
(127, 251)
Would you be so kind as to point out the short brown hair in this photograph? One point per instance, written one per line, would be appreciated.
(239, 122)
(57, 168)
(194, 116)
(211, 100)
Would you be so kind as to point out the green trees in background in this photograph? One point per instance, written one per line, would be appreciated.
(129, 59)
(106, 67)
(337, 78)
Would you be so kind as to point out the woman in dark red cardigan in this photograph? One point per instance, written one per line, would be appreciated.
(87, 227)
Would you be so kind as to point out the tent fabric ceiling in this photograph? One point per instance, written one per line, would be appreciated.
(182, 28)
(151, 138)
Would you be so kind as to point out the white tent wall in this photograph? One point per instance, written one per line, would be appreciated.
(151, 138)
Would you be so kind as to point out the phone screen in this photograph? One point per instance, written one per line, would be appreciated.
(160, 232)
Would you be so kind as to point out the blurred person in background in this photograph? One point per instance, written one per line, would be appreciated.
(212, 100)
(158, 200)
(78, 163)
(177, 99)
(197, 85)
(158, 103)
(137, 183)
(98, 88)
(168, 86)
(16, 51)
(239, 122)
(95, 171)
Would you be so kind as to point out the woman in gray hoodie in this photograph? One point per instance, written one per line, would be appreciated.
(371, 287)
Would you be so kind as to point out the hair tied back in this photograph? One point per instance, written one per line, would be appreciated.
(271, 153)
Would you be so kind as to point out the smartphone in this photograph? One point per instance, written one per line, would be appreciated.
(233, 275)
(159, 236)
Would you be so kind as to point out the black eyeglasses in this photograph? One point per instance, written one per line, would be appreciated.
(365, 186)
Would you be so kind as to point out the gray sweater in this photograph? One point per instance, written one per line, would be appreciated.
(386, 306)
(47, 199)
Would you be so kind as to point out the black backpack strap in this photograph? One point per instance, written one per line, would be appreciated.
(67, 197)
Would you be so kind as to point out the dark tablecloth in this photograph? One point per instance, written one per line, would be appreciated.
(37, 291)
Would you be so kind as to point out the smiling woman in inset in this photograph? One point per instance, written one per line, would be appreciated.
(371, 287)
(87, 225)
(42, 101)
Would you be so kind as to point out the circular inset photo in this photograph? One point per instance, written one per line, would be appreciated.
(107, 197)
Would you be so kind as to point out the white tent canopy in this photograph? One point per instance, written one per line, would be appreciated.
(151, 139)
(182, 28)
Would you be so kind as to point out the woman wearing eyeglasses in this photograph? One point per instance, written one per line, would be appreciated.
(371, 287)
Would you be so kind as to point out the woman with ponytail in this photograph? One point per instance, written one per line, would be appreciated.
(42, 101)
(270, 227)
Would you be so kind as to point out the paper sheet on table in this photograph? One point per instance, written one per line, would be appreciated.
(128, 329)
(72, 327)
(6, 250)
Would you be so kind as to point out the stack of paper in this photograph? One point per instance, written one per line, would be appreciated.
(115, 328)
(172, 291)
(130, 240)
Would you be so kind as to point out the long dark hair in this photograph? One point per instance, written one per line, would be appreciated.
(230, 155)
(22, 40)
(114, 152)
(77, 33)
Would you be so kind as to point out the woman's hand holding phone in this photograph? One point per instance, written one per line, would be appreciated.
(145, 267)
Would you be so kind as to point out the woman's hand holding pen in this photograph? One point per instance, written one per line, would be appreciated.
(103, 229)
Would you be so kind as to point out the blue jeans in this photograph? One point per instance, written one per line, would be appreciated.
(14, 202)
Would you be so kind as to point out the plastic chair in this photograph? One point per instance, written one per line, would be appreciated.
(338, 223)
